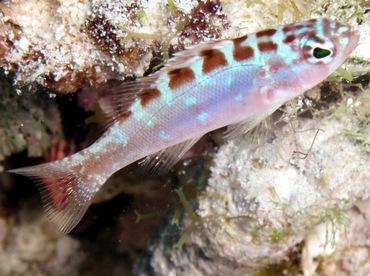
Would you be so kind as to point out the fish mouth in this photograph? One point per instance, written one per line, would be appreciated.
(354, 37)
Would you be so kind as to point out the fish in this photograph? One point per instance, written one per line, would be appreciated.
(230, 82)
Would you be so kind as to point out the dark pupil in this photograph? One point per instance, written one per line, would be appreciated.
(321, 53)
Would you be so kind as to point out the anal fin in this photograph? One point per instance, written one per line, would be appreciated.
(165, 159)
(238, 130)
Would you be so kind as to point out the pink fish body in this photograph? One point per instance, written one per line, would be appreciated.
(232, 82)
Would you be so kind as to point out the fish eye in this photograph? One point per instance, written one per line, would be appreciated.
(319, 50)
(321, 53)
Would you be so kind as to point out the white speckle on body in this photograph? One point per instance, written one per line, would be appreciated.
(202, 117)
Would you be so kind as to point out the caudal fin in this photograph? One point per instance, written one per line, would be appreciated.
(65, 193)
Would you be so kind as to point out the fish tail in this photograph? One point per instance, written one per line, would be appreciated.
(65, 192)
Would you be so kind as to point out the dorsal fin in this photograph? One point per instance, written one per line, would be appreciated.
(117, 99)
(190, 55)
